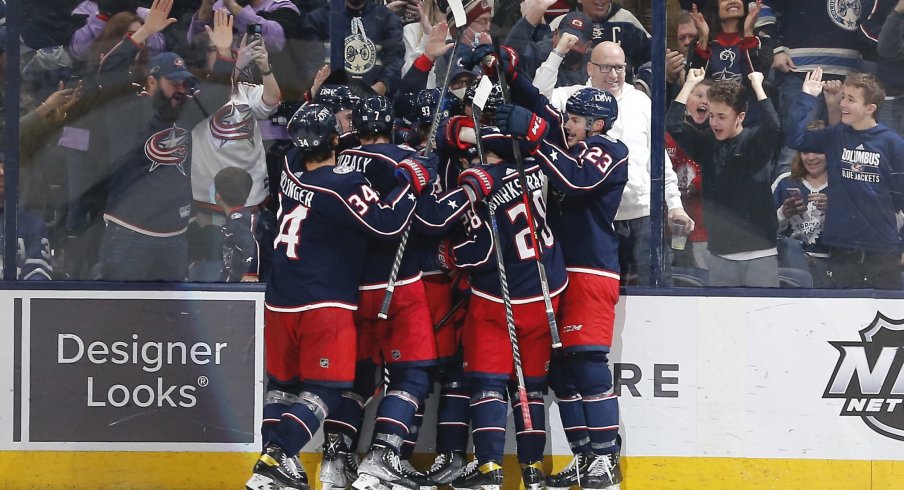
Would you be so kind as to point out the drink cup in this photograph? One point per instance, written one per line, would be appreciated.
(679, 234)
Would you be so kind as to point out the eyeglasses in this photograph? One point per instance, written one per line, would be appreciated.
(608, 68)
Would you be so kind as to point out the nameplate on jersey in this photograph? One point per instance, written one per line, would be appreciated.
(512, 190)
(351, 163)
(291, 190)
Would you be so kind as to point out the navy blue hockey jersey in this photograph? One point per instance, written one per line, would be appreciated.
(241, 252)
(325, 218)
(477, 252)
(588, 180)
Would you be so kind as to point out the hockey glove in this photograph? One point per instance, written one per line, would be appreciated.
(479, 182)
(476, 56)
(444, 255)
(418, 171)
(509, 64)
(451, 131)
(521, 123)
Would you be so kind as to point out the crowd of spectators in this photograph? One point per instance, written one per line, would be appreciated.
(152, 131)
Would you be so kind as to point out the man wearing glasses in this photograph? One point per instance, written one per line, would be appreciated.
(607, 69)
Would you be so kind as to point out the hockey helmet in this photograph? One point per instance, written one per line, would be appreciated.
(373, 116)
(337, 97)
(494, 100)
(593, 104)
(312, 128)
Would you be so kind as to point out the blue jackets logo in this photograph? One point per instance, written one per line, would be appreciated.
(845, 13)
(868, 377)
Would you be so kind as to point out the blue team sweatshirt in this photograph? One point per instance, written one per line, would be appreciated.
(866, 179)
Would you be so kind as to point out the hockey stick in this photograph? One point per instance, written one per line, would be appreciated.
(448, 316)
(522, 180)
(458, 11)
(480, 97)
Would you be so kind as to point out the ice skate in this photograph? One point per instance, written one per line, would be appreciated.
(485, 476)
(446, 468)
(381, 470)
(532, 476)
(276, 471)
(569, 476)
(335, 459)
(603, 472)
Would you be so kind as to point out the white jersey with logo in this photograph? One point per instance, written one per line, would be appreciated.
(231, 137)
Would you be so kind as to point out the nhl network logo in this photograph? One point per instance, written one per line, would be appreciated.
(869, 377)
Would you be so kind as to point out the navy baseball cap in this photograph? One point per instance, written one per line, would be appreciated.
(169, 65)
(579, 24)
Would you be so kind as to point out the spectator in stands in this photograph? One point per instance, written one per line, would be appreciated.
(564, 54)
(806, 34)
(865, 163)
(48, 23)
(676, 61)
(241, 250)
(479, 16)
(690, 180)
(97, 15)
(149, 200)
(737, 197)
(800, 199)
(733, 51)
(374, 49)
(230, 137)
(607, 68)
(417, 34)
(33, 249)
(280, 22)
(890, 45)
(613, 23)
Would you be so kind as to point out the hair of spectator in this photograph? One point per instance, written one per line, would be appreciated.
(233, 184)
(711, 14)
(798, 170)
(729, 92)
(873, 90)
(115, 29)
(685, 18)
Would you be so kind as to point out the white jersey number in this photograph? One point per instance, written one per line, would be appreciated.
(290, 230)
(526, 250)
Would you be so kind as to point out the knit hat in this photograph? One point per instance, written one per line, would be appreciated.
(473, 10)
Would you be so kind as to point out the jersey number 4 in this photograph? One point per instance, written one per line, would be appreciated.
(290, 230)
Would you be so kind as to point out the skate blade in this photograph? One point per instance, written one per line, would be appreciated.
(481, 487)
(368, 482)
(261, 482)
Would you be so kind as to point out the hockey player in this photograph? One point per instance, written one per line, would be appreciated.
(326, 214)
(488, 367)
(588, 180)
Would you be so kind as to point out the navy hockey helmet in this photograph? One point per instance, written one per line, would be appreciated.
(593, 104)
(373, 116)
(406, 108)
(494, 100)
(312, 128)
(337, 97)
(426, 102)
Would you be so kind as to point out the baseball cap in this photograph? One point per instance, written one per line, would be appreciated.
(579, 24)
(169, 65)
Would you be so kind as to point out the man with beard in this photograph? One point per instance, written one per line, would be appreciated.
(564, 53)
(150, 196)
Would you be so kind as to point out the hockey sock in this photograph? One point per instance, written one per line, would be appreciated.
(488, 415)
(453, 414)
(531, 443)
(348, 417)
(407, 389)
(301, 421)
(411, 439)
(591, 373)
(280, 396)
(571, 407)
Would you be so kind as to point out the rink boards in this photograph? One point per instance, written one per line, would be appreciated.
(139, 389)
